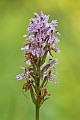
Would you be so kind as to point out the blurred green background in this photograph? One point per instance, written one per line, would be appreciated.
(64, 103)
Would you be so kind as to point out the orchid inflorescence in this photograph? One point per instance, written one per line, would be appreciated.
(40, 43)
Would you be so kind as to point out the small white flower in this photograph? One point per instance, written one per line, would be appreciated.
(55, 81)
(45, 74)
(26, 47)
(28, 62)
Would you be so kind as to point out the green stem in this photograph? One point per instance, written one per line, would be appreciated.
(37, 112)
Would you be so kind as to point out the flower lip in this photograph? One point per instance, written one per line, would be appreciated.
(20, 76)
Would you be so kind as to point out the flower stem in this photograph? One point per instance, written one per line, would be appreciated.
(37, 112)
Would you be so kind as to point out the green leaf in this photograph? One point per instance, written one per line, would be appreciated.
(44, 100)
(32, 95)
(44, 58)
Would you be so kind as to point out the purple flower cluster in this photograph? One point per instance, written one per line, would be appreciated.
(41, 41)
(41, 35)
